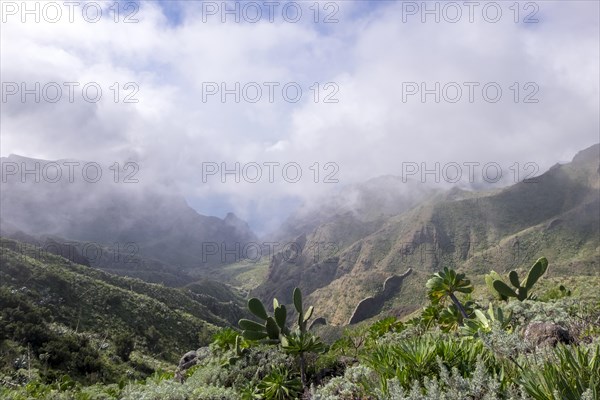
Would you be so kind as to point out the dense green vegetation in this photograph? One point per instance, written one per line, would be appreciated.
(469, 342)
(58, 318)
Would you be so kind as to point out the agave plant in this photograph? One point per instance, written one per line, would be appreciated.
(445, 284)
(419, 357)
(416, 358)
(278, 385)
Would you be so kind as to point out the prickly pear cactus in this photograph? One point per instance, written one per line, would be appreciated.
(521, 289)
(274, 327)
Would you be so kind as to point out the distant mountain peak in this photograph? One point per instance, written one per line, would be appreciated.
(157, 220)
(555, 215)
(591, 154)
(231, 217)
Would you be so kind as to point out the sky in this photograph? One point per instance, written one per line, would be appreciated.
(296, 99)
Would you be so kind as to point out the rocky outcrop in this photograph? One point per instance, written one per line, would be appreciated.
(188, 360)
(368, 307)
(392, 284)
(554, 223)
(371, 306)
(317, 322)
(547, 334)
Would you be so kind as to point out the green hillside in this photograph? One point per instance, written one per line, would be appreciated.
(557, 215)
(545, 347)
(63, 318)
(69, 330)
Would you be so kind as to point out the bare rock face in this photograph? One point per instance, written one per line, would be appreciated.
(367, 307)
(547, 334)
(371, 306)
(317, 322)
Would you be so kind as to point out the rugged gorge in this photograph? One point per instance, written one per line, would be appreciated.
(346, 257)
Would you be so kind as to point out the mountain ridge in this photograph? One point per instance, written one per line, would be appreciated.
(160, 223)
(49, 303)
(455, 229)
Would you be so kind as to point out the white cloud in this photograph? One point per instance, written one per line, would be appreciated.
(368, 54)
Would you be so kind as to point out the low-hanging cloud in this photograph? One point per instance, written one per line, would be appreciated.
(369, 59)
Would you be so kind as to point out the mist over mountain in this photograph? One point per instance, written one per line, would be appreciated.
(374, 229)
(347, 256)
(361, 254)
(370, 202)
(311, 200)
(85, 202)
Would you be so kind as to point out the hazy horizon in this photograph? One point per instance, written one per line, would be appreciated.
(371, 89)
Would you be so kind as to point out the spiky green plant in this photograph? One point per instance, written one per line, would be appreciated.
(278, 385)
(418, 357)
(564, 291)
(303, 316)
(575, 372)
(523, 288)
(429, 316)
(225, 339)
(298, 344)
(239, 350)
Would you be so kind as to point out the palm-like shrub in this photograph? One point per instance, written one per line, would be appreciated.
(445, 284)
(298, 344)
(450, 319)
(301, 341)
(225, 339)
